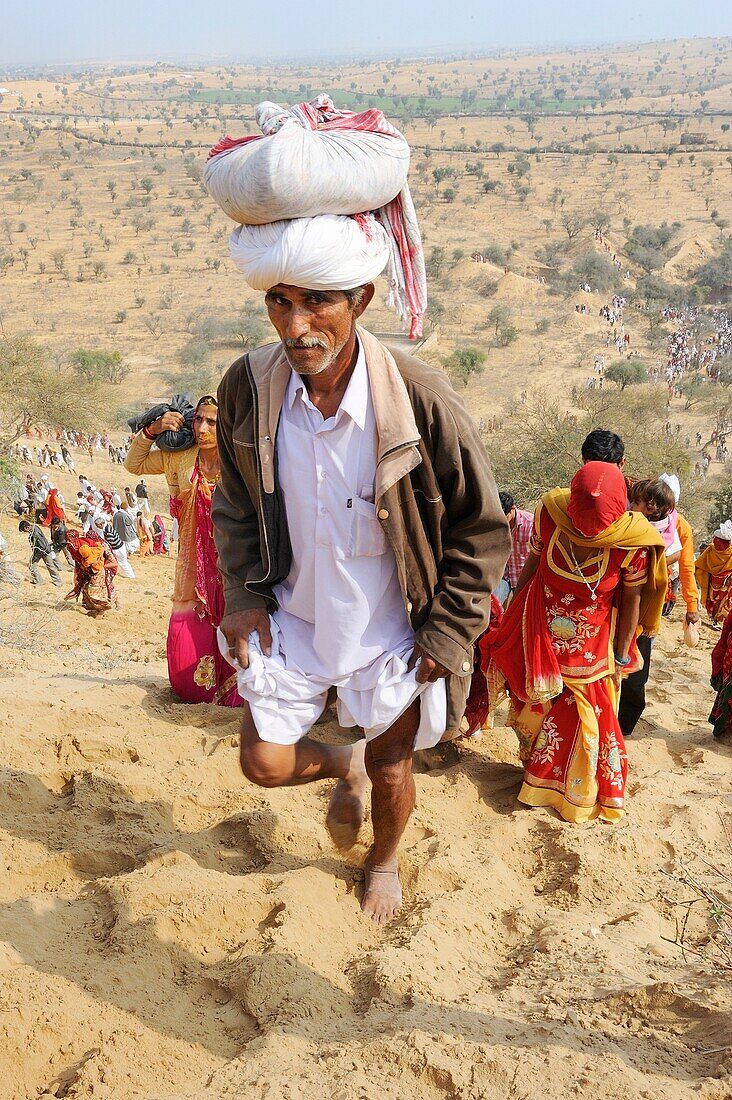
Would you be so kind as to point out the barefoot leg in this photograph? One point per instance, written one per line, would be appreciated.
(272, 765)
(382, 895)
(346, 809)
(389, 767)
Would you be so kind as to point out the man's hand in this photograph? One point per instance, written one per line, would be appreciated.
(238, 626)
(168, 422)
(429, 669)
(693, 617)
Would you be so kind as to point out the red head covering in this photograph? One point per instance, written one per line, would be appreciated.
(597, 498)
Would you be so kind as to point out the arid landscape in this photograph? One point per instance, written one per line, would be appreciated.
(168, 931)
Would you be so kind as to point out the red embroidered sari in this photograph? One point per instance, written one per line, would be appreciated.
(553, 655)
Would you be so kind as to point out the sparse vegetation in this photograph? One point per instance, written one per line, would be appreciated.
(626, 373)
(464, 363)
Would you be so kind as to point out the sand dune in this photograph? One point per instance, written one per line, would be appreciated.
(517, 288)
(692, 253)
(169, 931)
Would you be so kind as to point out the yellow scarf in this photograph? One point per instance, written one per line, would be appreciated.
(631, 532)
(710, 563)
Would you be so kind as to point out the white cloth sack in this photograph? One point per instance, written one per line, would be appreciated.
(298, 173)
(324, 253)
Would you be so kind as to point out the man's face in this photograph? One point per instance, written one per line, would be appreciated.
(204, 425)
(313, 325)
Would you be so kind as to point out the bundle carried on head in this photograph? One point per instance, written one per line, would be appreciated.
(322, 196)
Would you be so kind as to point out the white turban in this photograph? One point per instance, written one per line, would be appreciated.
(724, 531)
(673, 483)
(328, 252)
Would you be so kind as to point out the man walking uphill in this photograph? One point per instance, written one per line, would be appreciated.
(359, 534)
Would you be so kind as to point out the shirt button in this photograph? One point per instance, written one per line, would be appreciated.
(382, 513)
(466, 666)
(324, 511)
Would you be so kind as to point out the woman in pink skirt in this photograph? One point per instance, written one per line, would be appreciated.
(198, 673)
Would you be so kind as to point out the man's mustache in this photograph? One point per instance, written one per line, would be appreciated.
(306, 342)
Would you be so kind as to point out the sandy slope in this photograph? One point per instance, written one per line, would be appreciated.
(167, 930)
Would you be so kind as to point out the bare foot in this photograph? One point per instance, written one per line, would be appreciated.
(382, 895)
(346, 809)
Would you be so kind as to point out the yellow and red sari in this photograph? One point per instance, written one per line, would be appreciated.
(553, 654)
(714, 577)
(95, 568)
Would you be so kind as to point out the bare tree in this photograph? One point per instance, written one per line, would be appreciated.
(572, 224)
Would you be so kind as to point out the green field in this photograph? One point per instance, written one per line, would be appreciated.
(396, 105)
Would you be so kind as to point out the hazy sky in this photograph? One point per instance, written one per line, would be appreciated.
(77, 30)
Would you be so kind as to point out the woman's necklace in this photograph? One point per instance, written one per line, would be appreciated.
(577, 569)
(211, 476)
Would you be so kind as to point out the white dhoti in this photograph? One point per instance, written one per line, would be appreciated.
(285, 702)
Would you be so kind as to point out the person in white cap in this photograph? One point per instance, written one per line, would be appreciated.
(359, 534)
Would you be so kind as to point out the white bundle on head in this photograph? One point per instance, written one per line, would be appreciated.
(328, 252)
(724, 531)
(313, 160)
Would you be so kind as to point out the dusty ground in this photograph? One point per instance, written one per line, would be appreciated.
(167, 930)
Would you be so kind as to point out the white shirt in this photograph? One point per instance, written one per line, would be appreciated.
(341, 605)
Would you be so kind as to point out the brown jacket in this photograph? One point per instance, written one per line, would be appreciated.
(434, 495)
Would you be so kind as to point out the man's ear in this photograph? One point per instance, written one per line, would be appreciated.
(368, 292)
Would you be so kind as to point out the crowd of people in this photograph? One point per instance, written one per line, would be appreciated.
(689, 352)
(110, 526)
(576, 692)
(587, 582)
(55, 447)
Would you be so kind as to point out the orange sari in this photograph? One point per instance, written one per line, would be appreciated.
(54, 509)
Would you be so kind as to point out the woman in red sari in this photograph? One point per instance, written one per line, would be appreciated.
(721, 716)
(198, 673)
(160, 538)
(54, 508)
(595, 572)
